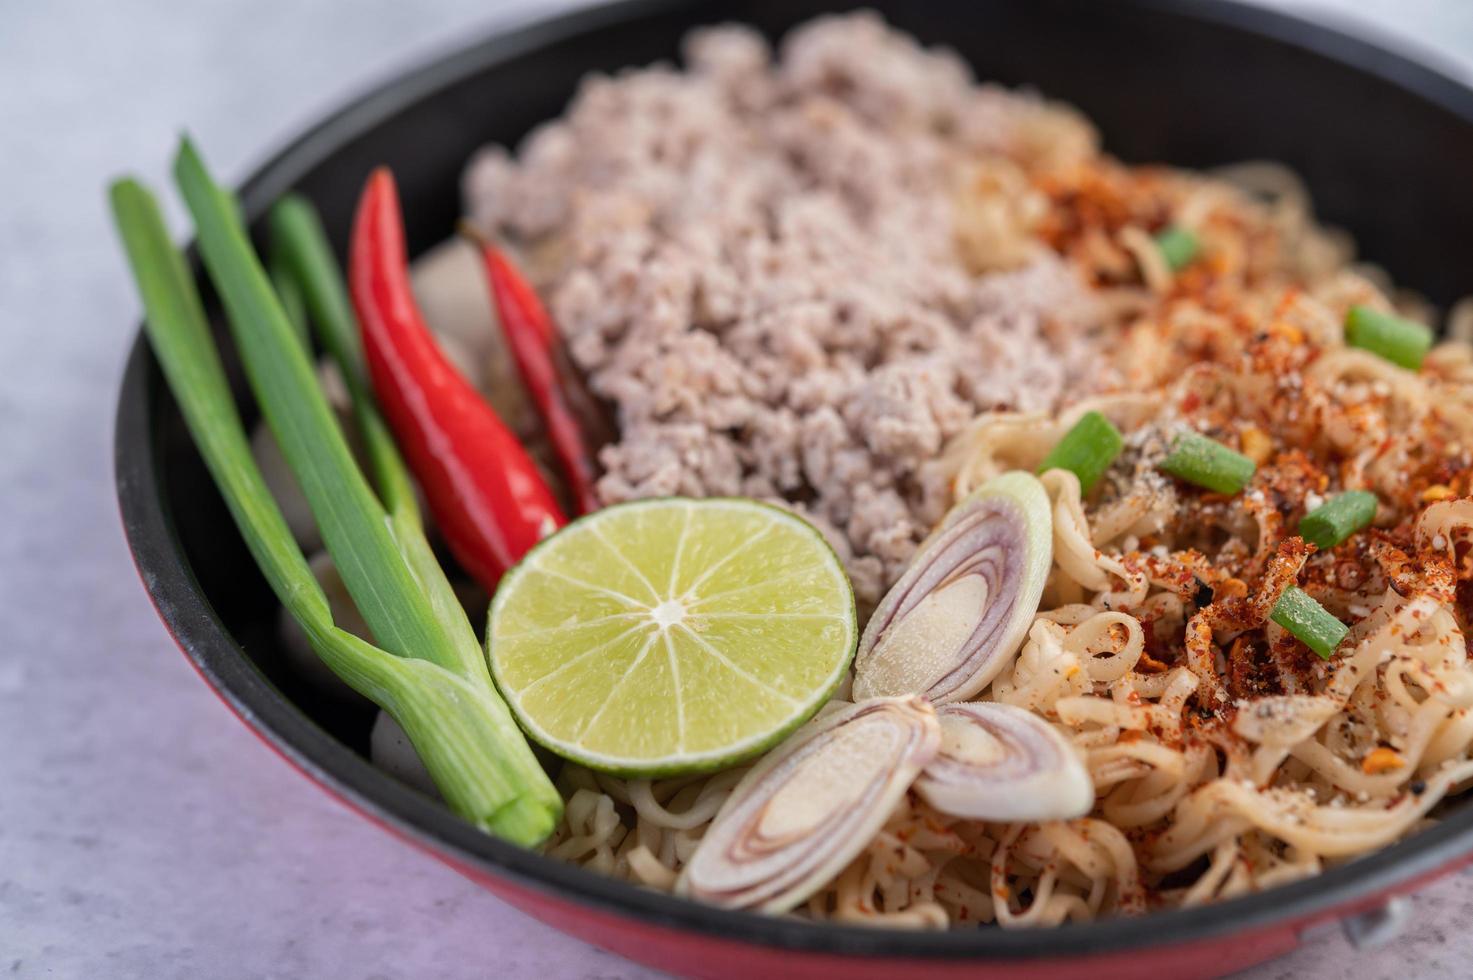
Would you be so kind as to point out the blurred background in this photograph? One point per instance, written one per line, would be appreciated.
(143, 833)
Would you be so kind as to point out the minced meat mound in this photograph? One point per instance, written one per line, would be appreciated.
(760, 261)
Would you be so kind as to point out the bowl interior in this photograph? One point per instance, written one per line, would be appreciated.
(1384, 145)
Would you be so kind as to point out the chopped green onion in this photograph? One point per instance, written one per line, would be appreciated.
(430, 674)
(1338, 518)
(1087, 450)
(1310, 622)
(1400, 341)
(1178, 247)
(1199, 460)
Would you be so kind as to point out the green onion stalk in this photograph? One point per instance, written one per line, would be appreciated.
(427, 669)
(1334, 521)
(1401, 341)
(1087, 450)
(1178, 247)
(1206, 463)
(1311, 623)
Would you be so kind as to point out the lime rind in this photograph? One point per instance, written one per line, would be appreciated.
(751, 672)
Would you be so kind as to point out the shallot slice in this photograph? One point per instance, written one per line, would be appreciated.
(1004, 763)
(962, 608)
(810, 806)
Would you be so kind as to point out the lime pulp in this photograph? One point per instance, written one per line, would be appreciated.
(668, 636)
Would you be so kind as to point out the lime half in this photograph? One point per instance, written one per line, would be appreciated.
(669, 636)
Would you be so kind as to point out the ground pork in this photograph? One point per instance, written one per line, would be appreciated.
(755, 261)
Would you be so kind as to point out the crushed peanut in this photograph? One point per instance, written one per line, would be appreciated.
(1230, 588)
(1257, 445)
(1381, 760)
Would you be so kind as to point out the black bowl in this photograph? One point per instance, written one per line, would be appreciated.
(1385, 144)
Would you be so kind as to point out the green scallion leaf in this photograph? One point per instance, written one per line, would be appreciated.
(1310, 622)
(1201, 461)
(299, 247)
(1087, 450)
(181, 340)
(1338, 518)
(1178, 247)
(1400, 341)
(291, 301)
(301, 250)
(352, 521)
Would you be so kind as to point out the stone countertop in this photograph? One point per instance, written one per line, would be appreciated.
(143, 833)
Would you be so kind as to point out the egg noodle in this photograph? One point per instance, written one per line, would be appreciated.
(1226, 757)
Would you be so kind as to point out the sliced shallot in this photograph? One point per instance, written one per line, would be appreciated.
(962, 608)
(1004, 763)
(811, 805)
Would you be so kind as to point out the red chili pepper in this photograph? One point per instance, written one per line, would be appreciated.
(534, 342)
(484, 491)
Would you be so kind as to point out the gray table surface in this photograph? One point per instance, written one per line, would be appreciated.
(143, 832)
